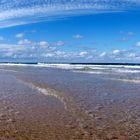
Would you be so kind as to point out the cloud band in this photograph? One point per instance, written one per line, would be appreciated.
(17, 12)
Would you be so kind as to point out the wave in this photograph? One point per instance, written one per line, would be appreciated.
(127, 71)
(90, 72)
(136, 81)
(87, 68)
(5, 70)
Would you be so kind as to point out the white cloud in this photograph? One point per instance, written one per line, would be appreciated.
(15, 12)
(132, 55)
(77, 36)
(124, 39)
(9, 50)
(20, 35)
(83, 53)
(116, 51)
(103, 54)
(60, 43)
(24, 42)
(48, 55)
(42, 49)
(130, 33)
(43, 44)
(12, 47)
(138, 44)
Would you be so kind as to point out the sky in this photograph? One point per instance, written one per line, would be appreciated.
(70, 31)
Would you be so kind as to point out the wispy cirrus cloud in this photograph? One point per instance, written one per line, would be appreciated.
(19, 35)
(138, 44)
(24, 42)
(77, 36)
(17, 12)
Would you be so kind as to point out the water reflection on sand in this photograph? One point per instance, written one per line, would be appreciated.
(76, 105)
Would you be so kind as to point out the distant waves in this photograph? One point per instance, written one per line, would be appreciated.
(126, 73)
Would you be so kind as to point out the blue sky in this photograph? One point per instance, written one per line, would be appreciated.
(70, 30)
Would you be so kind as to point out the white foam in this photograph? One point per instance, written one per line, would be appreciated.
(46, 91)
(89, 72)
(85, 68)
(10, 64)
(127, 71)
(127, 80)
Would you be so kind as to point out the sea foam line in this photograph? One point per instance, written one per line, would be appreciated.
(127, 80)
(75, 66)
(53, 93)
(89, 72)
(9, 70)
(46, 91)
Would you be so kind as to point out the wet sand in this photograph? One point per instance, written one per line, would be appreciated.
(54, 104)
